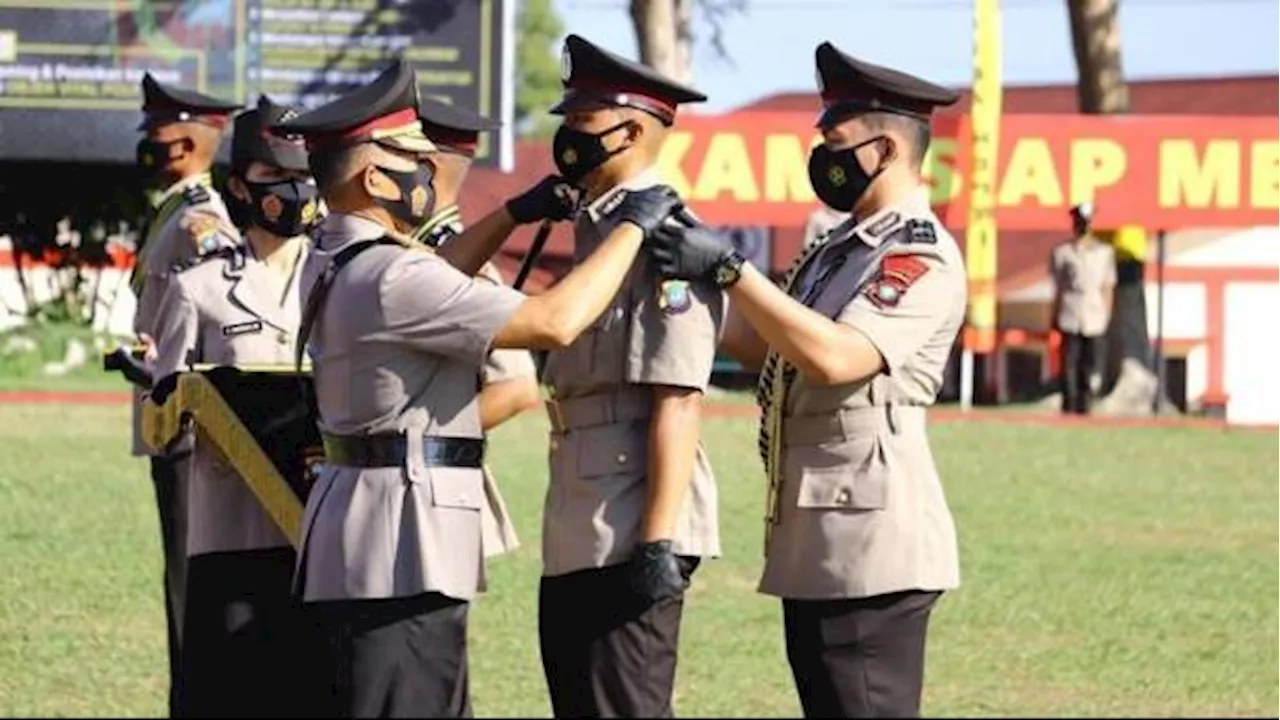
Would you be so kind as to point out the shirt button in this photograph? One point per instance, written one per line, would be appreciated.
(283, 338)
(622, 458)
(844, 497)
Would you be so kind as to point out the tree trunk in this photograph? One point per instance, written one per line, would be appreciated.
(1095, 36)
(657, 25)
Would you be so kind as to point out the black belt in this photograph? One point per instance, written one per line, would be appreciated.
(392, 450)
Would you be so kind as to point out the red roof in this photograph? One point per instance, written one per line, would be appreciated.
(1021, 253)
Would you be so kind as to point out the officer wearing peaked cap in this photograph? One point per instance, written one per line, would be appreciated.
(853, 348)
(240, 306)
(182, 130)
(631, 507)
(509, 379)
(391, 551)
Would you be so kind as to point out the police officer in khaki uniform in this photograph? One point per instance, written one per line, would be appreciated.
(509, 379)
(392, 532)
(240, 306)
(631, 508)
(183, 130)
(860, 540)
(1083, 271)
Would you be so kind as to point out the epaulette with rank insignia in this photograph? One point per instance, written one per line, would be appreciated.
(919, 231)
(196, 195)
(234, 254)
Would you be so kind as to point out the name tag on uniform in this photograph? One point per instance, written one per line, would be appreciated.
(243, 328)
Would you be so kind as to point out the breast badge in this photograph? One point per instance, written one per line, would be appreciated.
(674, 297)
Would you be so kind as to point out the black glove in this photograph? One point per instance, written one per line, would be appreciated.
(655, 572)
(163, 389)
(550, 199)
(649, 208)
(686, 253)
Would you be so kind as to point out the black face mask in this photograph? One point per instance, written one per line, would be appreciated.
(838, 178)
(417, 197)
(284, 208)
(154, 156)
(577, 153)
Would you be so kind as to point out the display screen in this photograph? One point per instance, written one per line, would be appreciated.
(70, 70)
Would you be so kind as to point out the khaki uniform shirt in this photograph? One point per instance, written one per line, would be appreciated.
(191, 219)
(652, 334)
(861, 509)
(397, 349)
(499, 533)
(228, 309)
(1082, 272)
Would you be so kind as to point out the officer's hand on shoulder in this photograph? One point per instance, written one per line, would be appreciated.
(655, 572)
(649, 208)
(551, 199)
(686, 252)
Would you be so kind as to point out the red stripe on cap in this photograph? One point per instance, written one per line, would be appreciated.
(363, 131)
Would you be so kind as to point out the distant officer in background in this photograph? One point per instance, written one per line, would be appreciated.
(1083, 271)
(183, 130)
(240, 306)
(631, 508)
(860, 542)
(509, 378)
(392, 551)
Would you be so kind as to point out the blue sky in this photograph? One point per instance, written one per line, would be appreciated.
(771, 45)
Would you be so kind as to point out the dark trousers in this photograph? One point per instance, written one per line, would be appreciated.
(393, 658)
(859, 658)
(1078, 356)
(240, 652)
(605, 651)
(168, 474)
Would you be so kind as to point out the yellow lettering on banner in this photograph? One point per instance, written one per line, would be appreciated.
(945, 182)
(1264, 178)
(786, 170)
(1031, 173)
(1189, 181)
(671, 158)
(1095, 163)
(727, 168)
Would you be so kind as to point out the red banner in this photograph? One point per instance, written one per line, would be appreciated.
(1160, 172)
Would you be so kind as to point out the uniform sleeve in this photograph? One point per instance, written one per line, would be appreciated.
(431, 306)
(1109, 272)
(508, 364)
(675, 328)
(907, 299)
(207, 229)
(177, 329)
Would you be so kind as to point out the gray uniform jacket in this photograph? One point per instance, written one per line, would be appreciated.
(228, 309)
(397, 349)
(861, 509)
(654, 333)
(191, 219)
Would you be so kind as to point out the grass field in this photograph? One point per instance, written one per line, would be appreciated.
(1106, 572)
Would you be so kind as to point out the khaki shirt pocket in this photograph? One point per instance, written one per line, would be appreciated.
(611, 450)
(850, 474)
(456, 488)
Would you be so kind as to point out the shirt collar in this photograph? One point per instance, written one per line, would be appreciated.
(875, 228)
(205, 179)
(601, 206)
(338, 229)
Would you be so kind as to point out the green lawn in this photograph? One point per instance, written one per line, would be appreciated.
(1106, 572)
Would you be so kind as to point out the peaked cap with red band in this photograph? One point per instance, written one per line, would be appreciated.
(850, 86)
(162, 104)
(453, 127)
(594, 76)
(385, 112)
(251, 140)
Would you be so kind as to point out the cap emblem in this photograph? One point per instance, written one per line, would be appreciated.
(566, 65)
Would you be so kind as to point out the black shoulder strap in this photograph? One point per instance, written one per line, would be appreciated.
(320, 291)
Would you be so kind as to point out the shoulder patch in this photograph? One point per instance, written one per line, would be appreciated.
(919, 231)
(896, 275)
(232, 254)
(196, 195)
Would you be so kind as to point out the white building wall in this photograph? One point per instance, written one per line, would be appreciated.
(1250, 375)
